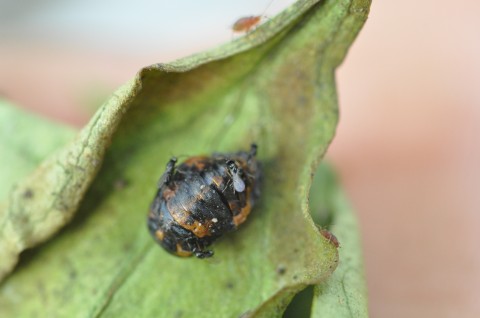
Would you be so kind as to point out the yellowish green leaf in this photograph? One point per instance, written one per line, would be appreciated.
(344, 294)
(275, 87)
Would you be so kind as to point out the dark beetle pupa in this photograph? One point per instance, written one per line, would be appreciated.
(201, 199)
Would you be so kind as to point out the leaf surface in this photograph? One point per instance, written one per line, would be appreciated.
(275, 87)
(344, 294)
(25, 141)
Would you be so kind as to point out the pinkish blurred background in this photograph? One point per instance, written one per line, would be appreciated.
(407, 147)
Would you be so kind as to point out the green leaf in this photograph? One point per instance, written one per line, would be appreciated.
(45, 200)
(25, 140)
(344, 294)
(275, 87)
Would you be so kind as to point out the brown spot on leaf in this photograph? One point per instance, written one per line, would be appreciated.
(28, 194)
(120, 184)
(281, 269)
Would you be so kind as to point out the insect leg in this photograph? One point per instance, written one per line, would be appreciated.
(253, 152)
(198, 249)
(168, 174)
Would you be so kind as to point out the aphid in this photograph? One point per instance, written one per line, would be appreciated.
(201, 199)
(330, 237)
(245, 24)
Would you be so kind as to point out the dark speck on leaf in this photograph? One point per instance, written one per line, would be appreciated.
(281, 269)
(179, 314)
(28, 194)
(72, 274)
(120, 184)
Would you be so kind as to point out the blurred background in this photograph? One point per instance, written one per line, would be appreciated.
(407, 146)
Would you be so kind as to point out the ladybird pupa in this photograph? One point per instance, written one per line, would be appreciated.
(196, 203)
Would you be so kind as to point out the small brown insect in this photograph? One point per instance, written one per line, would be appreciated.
(245, 24)
(330, 237)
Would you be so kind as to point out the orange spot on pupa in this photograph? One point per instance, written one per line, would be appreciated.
(181, 252)
(245, 211)
(159, 235)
